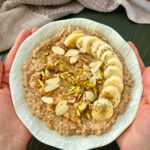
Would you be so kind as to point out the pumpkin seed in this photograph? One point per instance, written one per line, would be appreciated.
(61, 61)
(84, 83)
(90, 85)
(88, 116)
(41, 82)
(69, 93)
(78, 88)
(45, 54)
(95, 92)
(99, 81)
(43, 74)
(42, 60)
(80, 69)
(78, 112)
(62, 76)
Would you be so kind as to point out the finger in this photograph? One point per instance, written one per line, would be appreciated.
(146, 83)
(11, 55)
(1, 73)
(142, 66)
(34, 29)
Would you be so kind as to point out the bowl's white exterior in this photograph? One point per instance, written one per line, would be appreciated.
(36, 126)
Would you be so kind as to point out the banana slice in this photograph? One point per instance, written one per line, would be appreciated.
(113, 70)
(102, 48)
(79, 44)
(77, 31)
(87, 42)
(107, 55)
(112, 93)
(95, 46)
(115, 81)
(102, 110)
(70, 41)
(114, 62)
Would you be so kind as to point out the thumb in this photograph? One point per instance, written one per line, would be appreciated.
(146, 83)
(1, 72)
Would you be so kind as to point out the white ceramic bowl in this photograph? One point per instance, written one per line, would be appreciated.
(36, 126)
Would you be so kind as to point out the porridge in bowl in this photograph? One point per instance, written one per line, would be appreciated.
(77, 83)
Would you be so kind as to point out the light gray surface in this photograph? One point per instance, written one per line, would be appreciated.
(36, 126)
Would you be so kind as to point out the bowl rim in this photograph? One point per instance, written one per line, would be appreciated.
(13, 78)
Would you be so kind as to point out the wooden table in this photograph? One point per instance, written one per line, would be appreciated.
(137, 33)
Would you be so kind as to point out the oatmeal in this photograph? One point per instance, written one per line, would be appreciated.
(77, 83)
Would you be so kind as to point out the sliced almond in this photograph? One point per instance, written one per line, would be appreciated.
(56, 75)
(62, 102)
(61, 108)
(49, 88)
(95, 66)
(74, 59)
(93, 80)
(72, 52)
(47, 72)
(49, 61)
(90, 96)
(53, 81)
(87, 74)
(33, 79)
(84, 97)
(86, 68)
(58, 50)
(97, 75)
(72, 101)
(46, 99)
(83, 106)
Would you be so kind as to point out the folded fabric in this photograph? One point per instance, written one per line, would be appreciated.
(18, 14)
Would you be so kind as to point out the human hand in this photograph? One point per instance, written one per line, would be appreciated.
(137, 135)
(13, 134)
